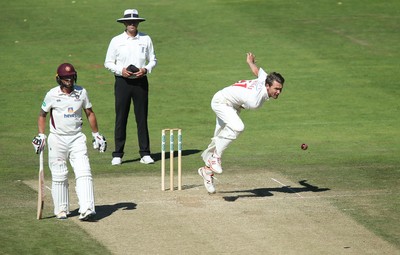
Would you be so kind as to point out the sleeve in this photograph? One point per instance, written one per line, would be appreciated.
(152, 60)
(47, 102)
(111, 57)
(262, 75)
(86, 102)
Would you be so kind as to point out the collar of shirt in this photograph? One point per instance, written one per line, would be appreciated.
(73, 92)
(128, 37)
(266, 97)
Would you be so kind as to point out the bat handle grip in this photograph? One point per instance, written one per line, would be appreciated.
(41, 160)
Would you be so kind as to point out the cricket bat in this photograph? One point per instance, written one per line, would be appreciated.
(40, 203)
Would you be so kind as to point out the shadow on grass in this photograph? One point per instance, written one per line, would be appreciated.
(103, 211)
(157, 156)
(267, 192)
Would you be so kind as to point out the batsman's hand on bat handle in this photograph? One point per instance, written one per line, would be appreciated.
(39, 142)
(99, 142)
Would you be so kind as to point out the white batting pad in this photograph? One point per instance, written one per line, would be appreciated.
(84, 191)
(60, 194)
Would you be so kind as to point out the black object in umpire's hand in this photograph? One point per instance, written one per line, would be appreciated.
(132, 68)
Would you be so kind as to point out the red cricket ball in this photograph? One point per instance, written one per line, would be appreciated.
(304, 146)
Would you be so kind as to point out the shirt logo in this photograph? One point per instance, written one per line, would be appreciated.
(71, 113)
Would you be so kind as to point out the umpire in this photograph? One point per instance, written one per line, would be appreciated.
(130, 56)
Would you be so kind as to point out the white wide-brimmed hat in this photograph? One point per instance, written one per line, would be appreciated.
(130, 14)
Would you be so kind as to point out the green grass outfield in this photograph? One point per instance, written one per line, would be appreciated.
(341, 97)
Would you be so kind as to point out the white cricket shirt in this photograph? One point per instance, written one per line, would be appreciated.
(249, 94)
(66, 110)
(125, 50)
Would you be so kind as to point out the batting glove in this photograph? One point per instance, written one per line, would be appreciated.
(39, 142)
(99, 142)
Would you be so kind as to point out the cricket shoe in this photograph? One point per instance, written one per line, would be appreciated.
(116, 161)
(215, 164)
(88, 215)
(61, 215)
(208, 177)
(146, 160)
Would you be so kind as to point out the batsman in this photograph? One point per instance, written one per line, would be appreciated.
(227, 104)
(66, 142)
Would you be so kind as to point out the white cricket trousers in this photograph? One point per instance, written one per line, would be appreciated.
(73, 148)
(228, 126)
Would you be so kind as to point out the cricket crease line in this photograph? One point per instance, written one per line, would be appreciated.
(285, 186)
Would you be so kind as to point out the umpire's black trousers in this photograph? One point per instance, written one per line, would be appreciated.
(126, 90)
